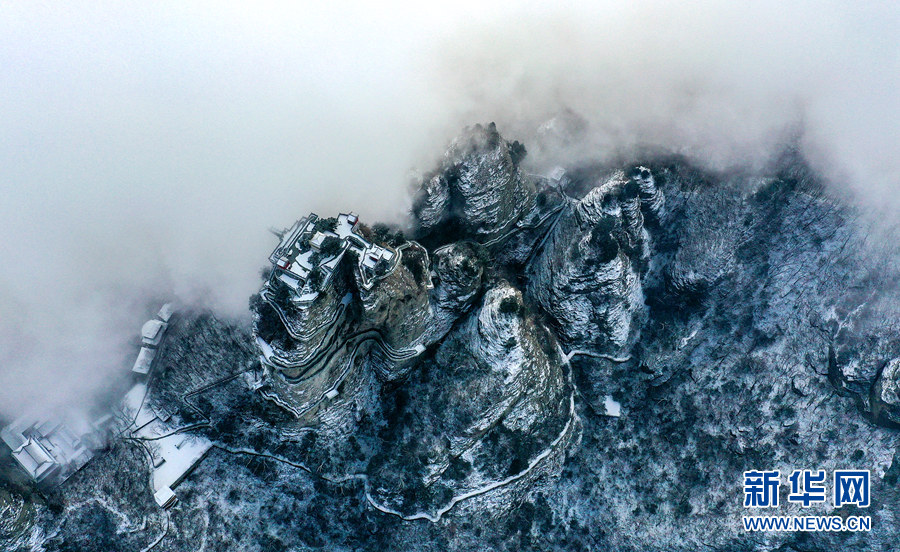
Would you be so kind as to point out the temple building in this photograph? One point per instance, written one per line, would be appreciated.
(310, 251)
(51, 450)
(152, 334)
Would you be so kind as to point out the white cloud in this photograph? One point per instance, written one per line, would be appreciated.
(146, 148)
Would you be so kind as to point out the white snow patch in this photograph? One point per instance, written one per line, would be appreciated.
(266, 349)
(686, 340)
(612, 407)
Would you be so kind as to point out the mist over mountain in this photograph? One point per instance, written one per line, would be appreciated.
(146, 150)
(605, 259)
(727, 86)
(587, 360)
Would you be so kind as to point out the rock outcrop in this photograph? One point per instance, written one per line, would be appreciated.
(459, 270)
(886, 394)
(588, 275)
(485, 411)
(478, 191)
(580, 363)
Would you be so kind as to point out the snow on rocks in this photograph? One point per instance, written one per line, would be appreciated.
(588, 275)
(490, 384)
(886, 394)
(478, 186)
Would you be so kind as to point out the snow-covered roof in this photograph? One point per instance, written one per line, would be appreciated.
(152, 331)
(291, 282)
(34, 458)
(331, 263)
(375, 253)
(144, 361)
(164, 497)
(45, 448)
(346, 224)
(289, 239)
(557, 173)
(317, 239)
(301, 264)
(12, 434)
(166, 312)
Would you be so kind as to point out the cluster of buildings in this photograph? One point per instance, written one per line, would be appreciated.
(306, 261)
(172, 454)
(151, 336)
(51, 450)
(314, 245)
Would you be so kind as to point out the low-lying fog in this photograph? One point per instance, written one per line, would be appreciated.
(146, 148)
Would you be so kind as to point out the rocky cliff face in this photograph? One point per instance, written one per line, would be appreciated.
(585, 364)
(489, 409)
(459, 270)
(479, 190)
(484, 404)
(587, 277)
